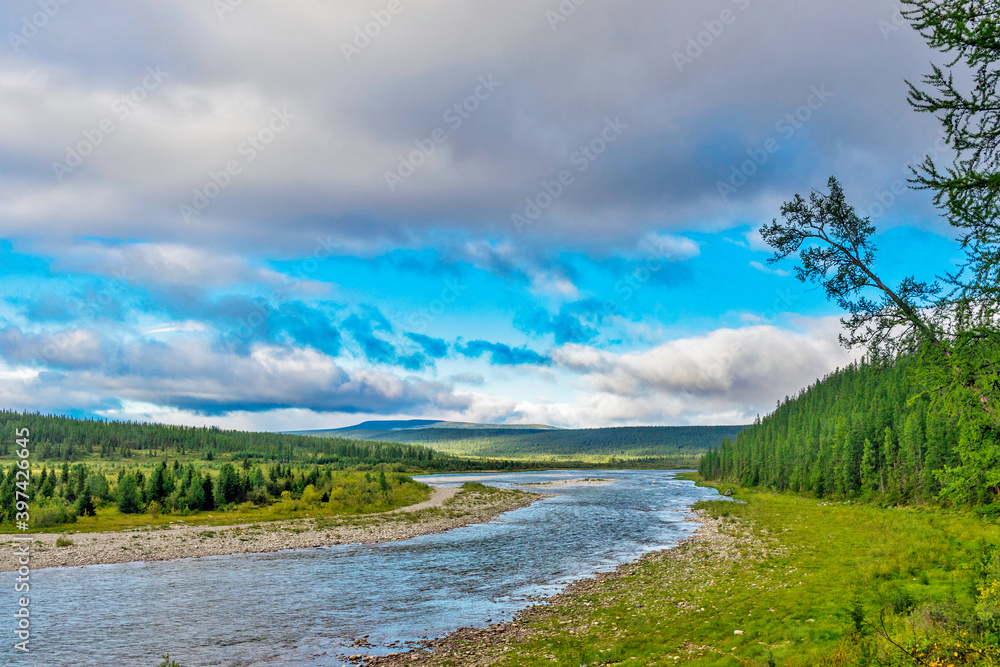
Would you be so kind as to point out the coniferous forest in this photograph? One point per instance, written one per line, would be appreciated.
(861, 432)
(919, 420)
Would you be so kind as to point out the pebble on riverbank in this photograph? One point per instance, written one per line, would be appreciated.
(475, 646)
(448, 508)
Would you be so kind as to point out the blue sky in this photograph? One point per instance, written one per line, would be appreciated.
(257, 219)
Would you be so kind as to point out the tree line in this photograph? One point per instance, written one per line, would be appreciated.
(63, 493)
(919, 419)
(862, 432)
(620, 441)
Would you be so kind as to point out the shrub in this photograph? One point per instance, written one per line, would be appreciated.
(63, 541)
(153, 509)
(259, 496)
(53, 515)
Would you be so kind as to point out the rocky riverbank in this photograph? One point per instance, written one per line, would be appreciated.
(448, 508)
(484, 646)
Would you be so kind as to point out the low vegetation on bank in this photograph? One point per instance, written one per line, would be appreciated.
(101, 498)
(772, 580)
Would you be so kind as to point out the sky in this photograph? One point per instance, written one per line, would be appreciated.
(298, 214)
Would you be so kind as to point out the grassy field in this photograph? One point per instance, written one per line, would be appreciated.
(786, 581)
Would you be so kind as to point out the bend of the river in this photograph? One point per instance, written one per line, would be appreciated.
(305, 607)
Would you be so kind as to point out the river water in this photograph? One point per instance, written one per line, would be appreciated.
(304, 607)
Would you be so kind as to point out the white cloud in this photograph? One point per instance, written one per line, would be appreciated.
(768, 270)
(725, 372)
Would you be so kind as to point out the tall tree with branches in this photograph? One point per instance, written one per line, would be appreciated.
(953, 324)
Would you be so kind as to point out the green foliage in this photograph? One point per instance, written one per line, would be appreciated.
(476, 487)
(626, 441)
(54, 514)
(85, 504)
(864, 432)
(63, 542)
(129, 498)
(808, 583)
(835, 248)
(968, 190)
(68, 440)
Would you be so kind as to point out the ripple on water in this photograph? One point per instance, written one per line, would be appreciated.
(307, 607)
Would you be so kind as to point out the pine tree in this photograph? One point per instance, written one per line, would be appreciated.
(129, 498)
(869, 471)
(85, 504)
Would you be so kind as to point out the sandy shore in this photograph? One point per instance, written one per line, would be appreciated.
(447, 508)
(481, 647)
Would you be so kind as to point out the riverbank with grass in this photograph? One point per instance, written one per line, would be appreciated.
(773, 580)
(446, 508)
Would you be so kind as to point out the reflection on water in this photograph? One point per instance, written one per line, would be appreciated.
(305, 607)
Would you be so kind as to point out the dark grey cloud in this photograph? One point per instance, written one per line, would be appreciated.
(688, 123)
(187, 374)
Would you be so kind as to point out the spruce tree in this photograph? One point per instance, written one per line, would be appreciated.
(129, 498)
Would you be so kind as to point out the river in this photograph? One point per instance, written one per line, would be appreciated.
(304, 607)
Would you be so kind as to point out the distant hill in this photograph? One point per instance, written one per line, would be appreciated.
(539, 441)
(390, 425)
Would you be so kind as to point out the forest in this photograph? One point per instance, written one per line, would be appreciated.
(623, 441)
(66, 439)
(918, 420)
(861, 432)
(85, 468)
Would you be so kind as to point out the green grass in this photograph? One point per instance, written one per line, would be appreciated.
(796, 570)
(110, 519)
(344, 502)
(476, 487)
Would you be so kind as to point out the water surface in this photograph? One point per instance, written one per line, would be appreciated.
(304, 607)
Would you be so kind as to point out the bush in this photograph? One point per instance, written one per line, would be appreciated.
(153, 509)
(259, 496)
(63, 542)
(53, 515)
